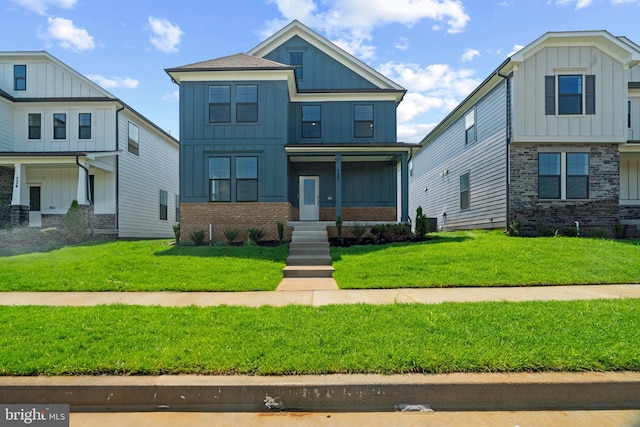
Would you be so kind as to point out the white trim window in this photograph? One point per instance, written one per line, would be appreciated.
(563, 176)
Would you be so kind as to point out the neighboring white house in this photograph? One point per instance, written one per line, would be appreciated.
(551, 139)
(64, 138)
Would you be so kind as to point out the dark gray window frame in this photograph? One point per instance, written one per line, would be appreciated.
(244, 180)
(133, 140)
(360, 124)
(84, 128)
(465, 191)
(545, 178)
(297, 65)
(20, 77)
(587, 94)
(577, 177)
(60, 126)
(244, 107)
(164, 205)
(219, 106)
(470, 132)
(34, 129)
(311, 128)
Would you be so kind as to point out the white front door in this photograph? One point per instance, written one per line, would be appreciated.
(309, 198)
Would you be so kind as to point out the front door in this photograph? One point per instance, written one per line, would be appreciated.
(35, 220)
(309, 198)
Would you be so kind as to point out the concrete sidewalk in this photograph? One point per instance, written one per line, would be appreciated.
(323, 297)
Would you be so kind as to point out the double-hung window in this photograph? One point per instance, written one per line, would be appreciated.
(246, 103)
(295, 60)
(60, 126)
(219, 104)
(465, 194)
(220, 179)
(363, 121)
(35, 126)
(470, 126)
(563, 175)
(164, 203)
(133, 141)
(247, 179)
(19, 77)
(311, 121)
(575, 94)
(84, 126)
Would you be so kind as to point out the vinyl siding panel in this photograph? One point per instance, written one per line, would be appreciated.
(634, 131)
(6, 125)
(630, 178)
(530, 122)
(439, 165)
(142, 177)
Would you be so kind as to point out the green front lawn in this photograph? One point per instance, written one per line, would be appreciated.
(601, 335)
(488, 258)
(145, 265)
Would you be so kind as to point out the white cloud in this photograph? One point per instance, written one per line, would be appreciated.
(68, 35)
(469, 55)
(114, 82)
(516, 47)
(439, 80)
(166, 36)
(350, 23)
(414, 104)
(578, 3)
(414, 132)
(41, 6)
(402, 43)
(173, 96)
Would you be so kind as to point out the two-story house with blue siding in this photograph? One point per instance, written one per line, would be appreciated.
(551, 139)
(296, 129)
(64, 138)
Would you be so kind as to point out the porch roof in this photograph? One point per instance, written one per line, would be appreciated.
(351, 152)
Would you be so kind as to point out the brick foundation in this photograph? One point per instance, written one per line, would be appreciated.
(375, 213)
(600, 211)
(19, 215)
(198, 216)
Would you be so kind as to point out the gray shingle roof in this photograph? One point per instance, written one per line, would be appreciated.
(239, 61)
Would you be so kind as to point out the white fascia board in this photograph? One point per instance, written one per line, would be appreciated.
(30, 160)
(231, 75)
(347, 149)
(345, 96)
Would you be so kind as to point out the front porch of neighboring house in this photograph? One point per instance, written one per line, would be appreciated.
(629, 210)
(44, 186)
(356, 183)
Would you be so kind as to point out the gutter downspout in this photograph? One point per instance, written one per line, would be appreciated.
(87, 179)
(118, 170)
(507, 150)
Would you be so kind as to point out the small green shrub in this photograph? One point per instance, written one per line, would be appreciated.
(515, 228)
(231, 234)
(197, 237)
(597, 232)
(401, 229)
(545, 231)
(568, 231)
(339, 226)
(380, 230)
(421, 223)
(280, 231)
(221, 244)
(618, 230)
(176, 232)
(255, 234)
(358, 230)
(75, 224)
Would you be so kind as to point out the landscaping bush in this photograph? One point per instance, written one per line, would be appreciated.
(568, 231)
(255, 234)
(339, 227)
(380, 230)
(358, 230)
(281, 232)
(421, 223)
(515, 228)
(401, 229)
(544, 231)
(75, 224)
(176, 232)
(231, 234)
(197, 237)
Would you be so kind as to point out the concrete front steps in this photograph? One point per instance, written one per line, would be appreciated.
(309, 261)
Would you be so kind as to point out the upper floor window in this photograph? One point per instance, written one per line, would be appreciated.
(574, 167)
(311, 121)
(246, 103)
(84, 126)
(465, 194)
(19, 77)
(133, 144)
(35, 126)
(363, 121)
(164, 203)
(60, 126)
(295, 60)
(470, 126)
(220, 179)
(219, 104)
(575, 94)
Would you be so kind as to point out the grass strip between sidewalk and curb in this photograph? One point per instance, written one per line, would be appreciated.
(600, 335)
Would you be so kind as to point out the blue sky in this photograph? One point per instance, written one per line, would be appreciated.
(439, 50)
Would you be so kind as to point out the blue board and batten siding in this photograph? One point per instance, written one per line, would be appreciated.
(265, 139)
(320, 71)
(439, 165)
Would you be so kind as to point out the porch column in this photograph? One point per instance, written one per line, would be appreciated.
(404, 188)
(81, 195)
(338, 185)
(20, 196)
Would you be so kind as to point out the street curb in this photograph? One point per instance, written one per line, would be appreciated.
(338, 393)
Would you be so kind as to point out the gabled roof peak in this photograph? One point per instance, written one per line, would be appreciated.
(238, 61)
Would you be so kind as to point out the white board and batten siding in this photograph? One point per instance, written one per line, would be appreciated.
(607, 125)
(6, 125)
(141, 177)
(437, 167)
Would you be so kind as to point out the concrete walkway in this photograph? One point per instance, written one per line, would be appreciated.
(323, 297)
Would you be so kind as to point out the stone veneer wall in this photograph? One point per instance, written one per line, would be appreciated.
(198, 216)
(601, 210)
(6, 193)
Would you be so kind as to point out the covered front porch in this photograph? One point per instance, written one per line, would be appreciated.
(44, 185)
(361, 183)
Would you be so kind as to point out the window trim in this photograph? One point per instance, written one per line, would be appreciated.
(356, 122)
(17, 87)
(564, 176)
(133, 145)
(465, 192)
(315, 124)
(81, 126)
(558, 176)
(59, 117)
(586, 177)
(212, 180)
(553, 96)
(30, 127)
(164, 207)
(246, 179)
